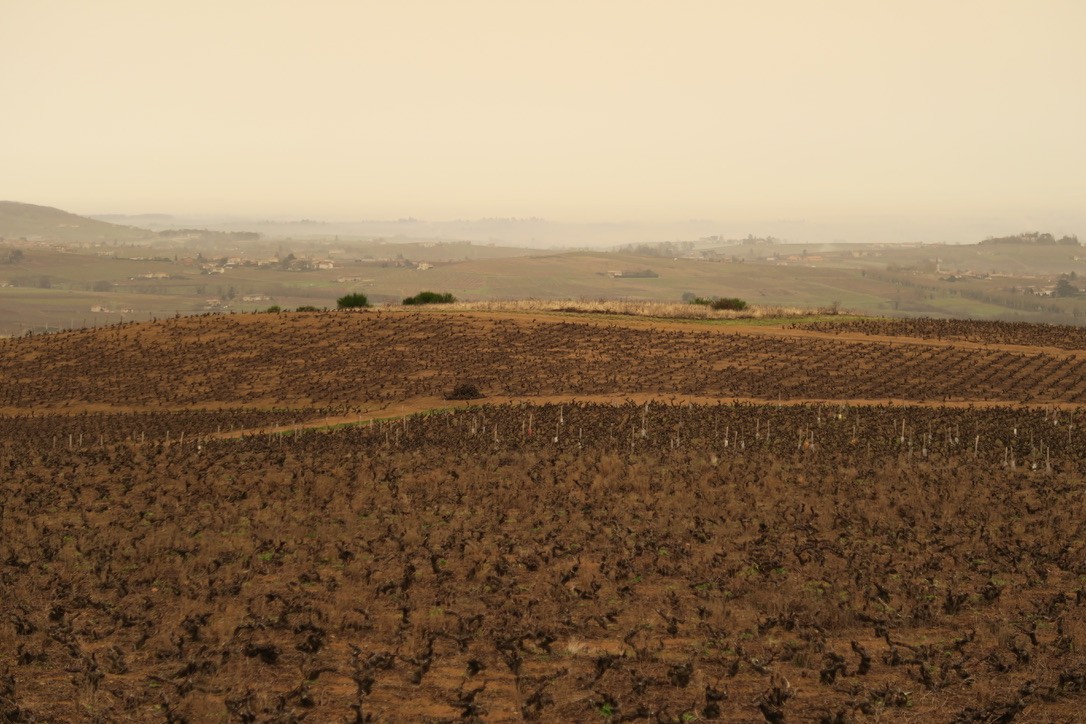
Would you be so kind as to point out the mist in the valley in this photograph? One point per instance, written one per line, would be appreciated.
(544, 233)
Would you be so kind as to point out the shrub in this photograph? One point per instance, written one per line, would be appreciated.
(307, 308)
(430, 298)
(464, 391)
(274, 308)
(732, 303)
(353, 301)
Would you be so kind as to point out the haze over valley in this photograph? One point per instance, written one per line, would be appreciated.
(59, 270)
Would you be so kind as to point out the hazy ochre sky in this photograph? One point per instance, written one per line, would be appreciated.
(583, 110)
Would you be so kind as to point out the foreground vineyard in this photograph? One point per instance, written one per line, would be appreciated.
(573, 562)
(233, 518)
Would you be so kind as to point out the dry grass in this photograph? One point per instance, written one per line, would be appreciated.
(635, 308)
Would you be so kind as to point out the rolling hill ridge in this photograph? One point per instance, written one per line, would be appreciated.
(45, 223)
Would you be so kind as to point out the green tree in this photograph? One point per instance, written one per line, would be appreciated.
(732, 303)
(1064, 288)
(353, 301)
(430, 298)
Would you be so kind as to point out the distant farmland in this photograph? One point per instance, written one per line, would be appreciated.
(54, 289)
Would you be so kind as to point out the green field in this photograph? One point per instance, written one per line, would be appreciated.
(56, 286)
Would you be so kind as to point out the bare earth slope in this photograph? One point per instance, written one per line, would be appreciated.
(337, 359)
(643, 521)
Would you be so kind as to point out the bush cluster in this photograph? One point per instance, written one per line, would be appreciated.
(353, 301)
(464, 391)
(430, 298)
(718, 303)
(733, 303)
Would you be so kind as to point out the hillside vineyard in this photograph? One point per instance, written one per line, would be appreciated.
(356, 359)
(278, 517)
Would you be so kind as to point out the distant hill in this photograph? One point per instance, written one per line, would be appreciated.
(1032, 237)
(30, 222)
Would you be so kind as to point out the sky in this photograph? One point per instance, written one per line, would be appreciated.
(591, 110)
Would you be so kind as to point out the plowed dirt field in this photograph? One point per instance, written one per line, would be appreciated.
(281, 517)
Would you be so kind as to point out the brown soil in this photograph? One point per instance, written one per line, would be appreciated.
(641, 521)
(367, 361)
(429, 405)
